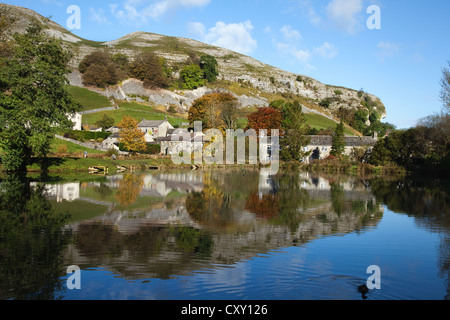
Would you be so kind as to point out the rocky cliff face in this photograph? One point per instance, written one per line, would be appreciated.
(263, 80)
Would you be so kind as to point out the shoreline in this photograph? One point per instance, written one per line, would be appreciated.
(70, 165)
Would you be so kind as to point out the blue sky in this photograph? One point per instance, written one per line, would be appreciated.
(325, 39)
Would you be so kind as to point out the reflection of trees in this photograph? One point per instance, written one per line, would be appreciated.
(103, 190)
(428, 202)
(31, 242)
(337, 198)
(292, 198)
(266, 206)
(222, 198)
(129, 189)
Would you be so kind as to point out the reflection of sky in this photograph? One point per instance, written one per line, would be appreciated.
(327, 268)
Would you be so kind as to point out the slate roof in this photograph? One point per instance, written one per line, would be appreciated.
(349, 141)
(186, 136)
(151, 123)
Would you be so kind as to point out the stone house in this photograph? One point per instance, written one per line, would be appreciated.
(112, 142)
(173, 144)
(76, 120)
(155, 128)
(320, 146)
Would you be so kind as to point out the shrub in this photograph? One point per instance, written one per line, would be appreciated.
(325, 103)
(152, 149)
(192, 77)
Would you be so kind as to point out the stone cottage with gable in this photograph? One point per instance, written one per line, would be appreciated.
(320, 146)
(155, 128)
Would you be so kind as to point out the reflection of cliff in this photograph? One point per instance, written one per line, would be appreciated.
(233, 216)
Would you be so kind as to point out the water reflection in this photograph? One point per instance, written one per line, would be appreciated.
(31, 241)
(168, 224)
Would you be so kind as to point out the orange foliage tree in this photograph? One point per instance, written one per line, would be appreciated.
(265, 118)
(131, 136)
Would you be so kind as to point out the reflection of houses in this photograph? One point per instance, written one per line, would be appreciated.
(266, 184)
(160, 185)
(320, 146)
(63, 192)
(163, 184)
(320, 187)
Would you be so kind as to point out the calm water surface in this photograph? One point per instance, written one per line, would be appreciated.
(219, 235)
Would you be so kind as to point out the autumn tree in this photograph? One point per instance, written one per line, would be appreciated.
(265, 118)
(34, 101)
(100, 70)
(130, 135)
(215, 110)
(149, 68)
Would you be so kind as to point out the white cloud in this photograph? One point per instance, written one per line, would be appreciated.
(233, 36)
(291, 34)
(197, 29)
(308, 10)
(138, 12)
(98, 16)
(387, 49)
(326, 50)
(345, 14)
(290, 45)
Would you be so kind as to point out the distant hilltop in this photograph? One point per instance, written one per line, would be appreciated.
(254, 82)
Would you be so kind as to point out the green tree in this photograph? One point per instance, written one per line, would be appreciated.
(359, 120)
(295, 131)
(105, 122)
(192, 77)
(209, 66)
(34, 101)
(338, 144)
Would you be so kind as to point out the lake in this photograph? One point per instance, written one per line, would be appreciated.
(224, 235)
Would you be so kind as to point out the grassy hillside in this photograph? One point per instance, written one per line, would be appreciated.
(89, 100)
(321, 122)
(135, 110)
